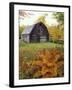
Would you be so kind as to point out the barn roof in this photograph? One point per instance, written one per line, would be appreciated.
(28, 29)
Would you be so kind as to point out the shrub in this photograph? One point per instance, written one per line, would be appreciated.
(47, 63)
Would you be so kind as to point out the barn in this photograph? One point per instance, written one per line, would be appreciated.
(35, 33)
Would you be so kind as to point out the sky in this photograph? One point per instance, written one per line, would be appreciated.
(30, 17)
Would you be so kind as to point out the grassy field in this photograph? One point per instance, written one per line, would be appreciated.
(41, 60)
(37, 46)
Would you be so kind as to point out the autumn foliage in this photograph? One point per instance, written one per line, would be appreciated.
(47, 63)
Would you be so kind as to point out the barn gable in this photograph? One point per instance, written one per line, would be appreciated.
(35, 33)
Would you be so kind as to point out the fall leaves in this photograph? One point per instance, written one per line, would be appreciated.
(48, 63)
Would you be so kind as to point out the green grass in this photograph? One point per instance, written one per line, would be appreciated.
(29, 50)
(38, 46)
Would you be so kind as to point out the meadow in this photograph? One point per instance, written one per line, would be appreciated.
(41, 60)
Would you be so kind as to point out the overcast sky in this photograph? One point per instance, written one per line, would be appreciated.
(30, 17)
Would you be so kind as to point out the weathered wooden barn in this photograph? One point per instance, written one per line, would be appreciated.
(36, 33)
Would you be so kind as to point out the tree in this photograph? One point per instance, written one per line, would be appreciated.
(42, 18)
(60, 18)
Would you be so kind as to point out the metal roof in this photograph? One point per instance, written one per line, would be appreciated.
(28, 29)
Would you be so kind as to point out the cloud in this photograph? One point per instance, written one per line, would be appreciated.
(30, 17)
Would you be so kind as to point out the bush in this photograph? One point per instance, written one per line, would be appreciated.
(57, 41)
(46, 64)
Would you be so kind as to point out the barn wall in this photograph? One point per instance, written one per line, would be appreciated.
(43, 38)
(25, 37)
